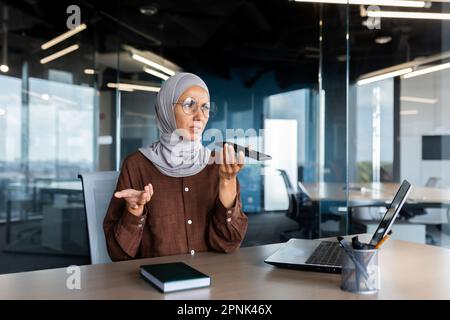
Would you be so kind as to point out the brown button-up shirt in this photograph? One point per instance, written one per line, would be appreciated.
(185, 215)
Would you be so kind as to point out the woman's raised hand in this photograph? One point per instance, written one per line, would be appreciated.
(136, 199)
(230, 165)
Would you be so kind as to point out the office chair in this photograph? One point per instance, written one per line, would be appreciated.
(411, 213)
(98, 188)
(433, 182)
(300, 210)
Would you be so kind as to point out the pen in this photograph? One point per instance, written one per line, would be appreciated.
(381, 242)
(378, 245)
(357, 263)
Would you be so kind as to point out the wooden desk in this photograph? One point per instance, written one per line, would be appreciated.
(408, 271)
(378, 193)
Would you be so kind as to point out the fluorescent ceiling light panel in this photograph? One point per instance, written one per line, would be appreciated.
(63, 37)
(132, 87)
(119, 87)
(408, 15)
(59, 54)
(156, 73)
(384, 76)
(89, 71)
(393, 3)
(409, 112)
(418, 100)
(152, 64)
(427, 70)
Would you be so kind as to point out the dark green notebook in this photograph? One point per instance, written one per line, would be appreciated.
(174, 276)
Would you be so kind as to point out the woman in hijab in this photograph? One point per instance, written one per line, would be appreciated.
(172, 197)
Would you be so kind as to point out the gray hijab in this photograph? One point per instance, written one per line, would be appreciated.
(172, 155)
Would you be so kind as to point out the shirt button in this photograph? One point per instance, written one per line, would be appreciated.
(189, 221)
(192, 252)
(142, 219)
(229, 211)
(186, 189)
(140, 225)
(228, 219)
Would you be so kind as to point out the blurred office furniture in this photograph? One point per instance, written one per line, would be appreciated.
(435, 219)
(64, 228)
(48, 218)
(300, 210)
(378, 194)
(433, 182)
(98, 188)
(19, 200)
(412, 213)
(367, 203)
(63, 224)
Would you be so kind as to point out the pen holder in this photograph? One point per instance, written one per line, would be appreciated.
(360, 271)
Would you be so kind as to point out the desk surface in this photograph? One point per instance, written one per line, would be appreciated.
(376, 191)
(408, 271)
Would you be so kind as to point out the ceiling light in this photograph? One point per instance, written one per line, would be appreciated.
(384, 76)
(156, 73)
(121, 88)
(418, 100)
(410, 64)
(409, 112)
(427, 70)
(394, 3)
(59, 54)
(89, 71)
(64, 36)
(4, 68)
(383, 40)
(148, 10)
(2, 112)
(408, 15)
(153, 64)
(132, 87)
(118, 86)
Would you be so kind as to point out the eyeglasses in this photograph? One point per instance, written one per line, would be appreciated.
(190, 107)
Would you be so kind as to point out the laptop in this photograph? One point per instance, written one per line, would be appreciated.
(326, 256)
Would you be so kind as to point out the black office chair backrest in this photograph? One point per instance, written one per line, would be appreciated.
(301, 208)
(297, 197)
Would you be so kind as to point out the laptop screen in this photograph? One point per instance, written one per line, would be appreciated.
(392, 212)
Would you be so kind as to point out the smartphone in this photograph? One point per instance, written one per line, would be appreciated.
(247, 152)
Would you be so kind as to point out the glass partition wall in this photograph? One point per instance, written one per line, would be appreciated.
(347, 101)
(55, 122)
(399, 117)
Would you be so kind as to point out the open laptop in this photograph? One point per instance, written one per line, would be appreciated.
(326, 256)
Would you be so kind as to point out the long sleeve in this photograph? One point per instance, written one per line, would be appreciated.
(227, 227)
(184, 215)
(123, 230)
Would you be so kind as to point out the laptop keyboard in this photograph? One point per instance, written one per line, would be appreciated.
(327, 254)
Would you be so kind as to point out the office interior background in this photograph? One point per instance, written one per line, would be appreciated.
(350, 104)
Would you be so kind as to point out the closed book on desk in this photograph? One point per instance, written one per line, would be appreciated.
(174, 276)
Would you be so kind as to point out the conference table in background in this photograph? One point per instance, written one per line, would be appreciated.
(408, 271)
(377, 193)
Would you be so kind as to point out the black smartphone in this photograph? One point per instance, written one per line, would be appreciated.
(247, 152)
